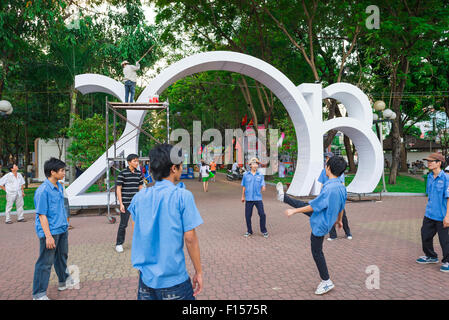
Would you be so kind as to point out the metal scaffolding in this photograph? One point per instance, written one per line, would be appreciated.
(112, 106)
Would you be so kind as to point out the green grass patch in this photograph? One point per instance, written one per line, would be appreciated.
(28, 200)
(403, 183)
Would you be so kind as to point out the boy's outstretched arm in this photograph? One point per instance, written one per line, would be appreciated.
(193, 247)
(290, 212)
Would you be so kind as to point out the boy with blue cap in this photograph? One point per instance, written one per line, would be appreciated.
(436, 219)
(325, 211)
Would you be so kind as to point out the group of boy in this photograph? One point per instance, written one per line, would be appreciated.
(165, 217)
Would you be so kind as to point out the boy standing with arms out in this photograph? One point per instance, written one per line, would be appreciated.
(253, 183)
(436, 219)
(165, 215)
(324, 211)
(13, 183)
(129, 182)
(51, 228)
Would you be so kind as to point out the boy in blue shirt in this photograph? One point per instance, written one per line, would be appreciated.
(322, 179)
(436, 219)
(164, 216)
(51, 228)
(253, 183)
(325, 211)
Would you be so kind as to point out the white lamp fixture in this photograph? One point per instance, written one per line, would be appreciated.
(379, 105)
(387, 113)
(6, 107)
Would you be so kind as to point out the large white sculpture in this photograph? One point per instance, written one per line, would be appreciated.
(303, 103)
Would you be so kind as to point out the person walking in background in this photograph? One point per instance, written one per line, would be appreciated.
(13, 184)
(213, 169)
(165, 217)
(51, 228)
(436, 218)
(129, 182)
(253, 183)
(130, 79)
(204, 172)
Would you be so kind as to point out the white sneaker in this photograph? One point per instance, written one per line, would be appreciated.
(349, 237)
(69, 284)
(331, 239)
(280, 191)
(324, 287)
(119, 248)
(42, 298)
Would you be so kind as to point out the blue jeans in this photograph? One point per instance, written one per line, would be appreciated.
(47, 258)
(130, 87)
(182, 291)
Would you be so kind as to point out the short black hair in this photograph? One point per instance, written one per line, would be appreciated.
(131, 157)
(162, 158)
(10, 166)
(337, 165)
(53, 164)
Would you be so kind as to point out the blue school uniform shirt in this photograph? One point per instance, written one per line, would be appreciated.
(253, 186)
(326, 207)
(323, 178)
(49, 201)
(437, 190)
(162, 214)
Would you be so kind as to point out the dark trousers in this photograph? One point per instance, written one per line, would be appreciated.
(316, 243)
(333, 232)
(121, 232)
(428, 231)
(249, 212)
(48, 258)
(182, 291)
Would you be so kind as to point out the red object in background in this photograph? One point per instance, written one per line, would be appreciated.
(251, 123)
(154, 99)
(244, 120)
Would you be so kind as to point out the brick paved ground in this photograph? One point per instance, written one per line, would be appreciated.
(386, 234)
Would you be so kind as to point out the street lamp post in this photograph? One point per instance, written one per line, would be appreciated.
(387, 115)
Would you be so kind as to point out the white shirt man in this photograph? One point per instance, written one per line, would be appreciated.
(13, 183)
(130, 71)
(235, 167)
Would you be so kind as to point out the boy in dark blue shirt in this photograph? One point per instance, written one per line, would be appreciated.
(325, 211)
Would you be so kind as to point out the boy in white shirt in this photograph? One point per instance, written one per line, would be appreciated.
(13, 184)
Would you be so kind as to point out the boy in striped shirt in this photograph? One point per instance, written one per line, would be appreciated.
(129, 182)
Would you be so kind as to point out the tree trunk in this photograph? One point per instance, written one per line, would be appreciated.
(349, 154)
(73, 96)
(396, 152)
(403, 158)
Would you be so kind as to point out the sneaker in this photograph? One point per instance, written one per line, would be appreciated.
(349, 237)
(246, 235)
(331, 239)
(119, 248)
(324, 287)
(265, 235)
(69, 284)
(280, 191)
(426, 260)
(445, 267)
(42, 298)
(8, 222)
(21, 220)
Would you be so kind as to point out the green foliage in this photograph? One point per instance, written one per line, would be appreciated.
(89, 139)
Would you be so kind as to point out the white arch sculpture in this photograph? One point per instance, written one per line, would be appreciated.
(303, 104)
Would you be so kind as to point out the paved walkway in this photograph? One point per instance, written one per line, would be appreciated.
(386, 234)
